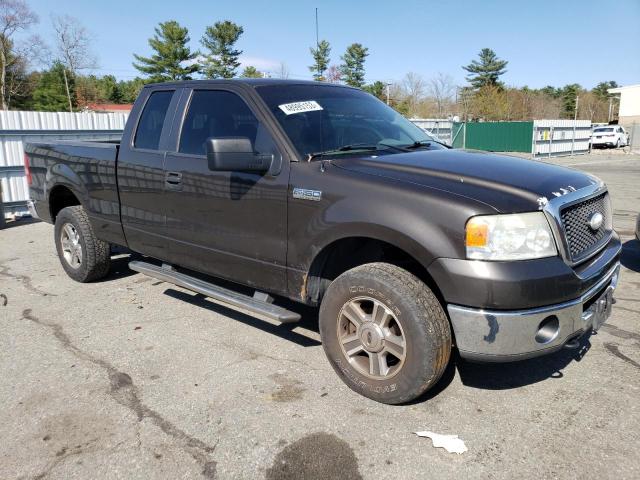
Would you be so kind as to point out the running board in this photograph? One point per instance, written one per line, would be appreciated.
(258, 304)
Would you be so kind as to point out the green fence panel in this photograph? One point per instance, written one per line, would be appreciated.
(499, 136)
(457, 135)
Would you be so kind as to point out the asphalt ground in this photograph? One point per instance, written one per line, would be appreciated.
(134, 378)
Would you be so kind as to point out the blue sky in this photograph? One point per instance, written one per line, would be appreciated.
(546, 42)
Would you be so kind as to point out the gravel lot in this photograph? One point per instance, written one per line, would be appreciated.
(134, 378)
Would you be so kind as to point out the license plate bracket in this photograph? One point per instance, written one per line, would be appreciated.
(601, 308)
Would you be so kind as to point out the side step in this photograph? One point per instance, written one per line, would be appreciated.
(257, 304)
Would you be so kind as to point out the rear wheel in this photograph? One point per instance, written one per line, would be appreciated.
(385, 333)
(83, 256)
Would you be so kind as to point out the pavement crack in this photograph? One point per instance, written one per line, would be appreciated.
(613, 349)
(26, 281)
(124, 391)
(619, 332)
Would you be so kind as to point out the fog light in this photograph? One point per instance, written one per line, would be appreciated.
(548, 330)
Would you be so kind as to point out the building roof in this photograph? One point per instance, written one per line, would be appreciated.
(621, 89)
(110, 107)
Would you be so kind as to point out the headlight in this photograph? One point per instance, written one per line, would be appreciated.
(520, 236)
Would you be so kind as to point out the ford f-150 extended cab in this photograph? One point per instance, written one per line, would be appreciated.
(323, 194)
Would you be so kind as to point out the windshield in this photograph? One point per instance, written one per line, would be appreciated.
(324, 118)
(603, 130)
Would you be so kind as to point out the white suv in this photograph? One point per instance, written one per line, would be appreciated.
(610, 136)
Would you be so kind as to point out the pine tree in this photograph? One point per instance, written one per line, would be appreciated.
(251, 72)
(568, 94)
(221, 61)
(352, 68)
(602, 89)
(50, 94)
(486, 71)
(377, 89)
(320, 56)
(172, 57)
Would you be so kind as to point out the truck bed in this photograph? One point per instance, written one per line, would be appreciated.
(88, 168)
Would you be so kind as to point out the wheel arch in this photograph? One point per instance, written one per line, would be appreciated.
(61, 196)
(349, 251)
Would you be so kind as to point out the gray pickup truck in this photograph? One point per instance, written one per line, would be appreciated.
(324, 195)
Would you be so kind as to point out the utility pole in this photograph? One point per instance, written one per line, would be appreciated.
(317, 41)
(575, 120)
(388, 85)
(610, 109)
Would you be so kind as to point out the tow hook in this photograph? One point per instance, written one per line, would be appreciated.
(572, 344)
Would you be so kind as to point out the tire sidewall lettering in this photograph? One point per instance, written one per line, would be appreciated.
(387, 300)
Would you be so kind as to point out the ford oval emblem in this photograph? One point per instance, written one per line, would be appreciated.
(595, 221)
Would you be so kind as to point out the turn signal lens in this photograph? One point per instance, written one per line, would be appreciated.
(477, 233)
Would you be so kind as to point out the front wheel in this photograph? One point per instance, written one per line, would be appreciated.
(83, 256)
(385, 333)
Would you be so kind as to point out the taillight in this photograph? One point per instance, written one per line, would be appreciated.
(27, 169)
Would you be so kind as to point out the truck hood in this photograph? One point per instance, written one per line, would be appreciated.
(508, 184)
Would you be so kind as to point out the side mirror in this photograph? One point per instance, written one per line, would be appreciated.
(235, 154)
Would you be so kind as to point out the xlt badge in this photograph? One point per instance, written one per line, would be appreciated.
(304, 194)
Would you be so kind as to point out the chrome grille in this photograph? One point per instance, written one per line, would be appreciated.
(581, 239)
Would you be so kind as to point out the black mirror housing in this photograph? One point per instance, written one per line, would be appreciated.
(235, 154)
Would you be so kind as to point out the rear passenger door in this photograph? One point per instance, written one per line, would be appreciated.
(226, 223)
(141, 176)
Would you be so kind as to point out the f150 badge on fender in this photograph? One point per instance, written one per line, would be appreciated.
(304, 194)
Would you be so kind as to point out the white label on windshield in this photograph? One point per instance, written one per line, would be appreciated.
(300, 107)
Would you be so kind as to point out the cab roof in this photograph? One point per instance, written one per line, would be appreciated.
(253, 82)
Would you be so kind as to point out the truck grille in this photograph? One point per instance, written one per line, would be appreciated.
(582, 240)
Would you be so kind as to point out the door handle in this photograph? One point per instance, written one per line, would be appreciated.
(173, 180)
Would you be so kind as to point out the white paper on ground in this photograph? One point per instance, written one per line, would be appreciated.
(451, 443)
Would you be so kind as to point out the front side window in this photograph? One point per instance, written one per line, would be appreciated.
(219, 114)
(152, 120)
(323, 118)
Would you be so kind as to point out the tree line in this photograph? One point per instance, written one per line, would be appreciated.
(486, 97)
(62, 82)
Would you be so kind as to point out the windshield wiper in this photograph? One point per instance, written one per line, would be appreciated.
(356, 146)
(418, 144)
(424, 143)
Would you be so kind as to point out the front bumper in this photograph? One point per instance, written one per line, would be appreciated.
(503, 336)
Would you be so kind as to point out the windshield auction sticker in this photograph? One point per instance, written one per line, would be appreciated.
(300, 107)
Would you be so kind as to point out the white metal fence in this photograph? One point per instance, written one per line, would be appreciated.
(634, 137)
(555, 138)
(17, 128)
(440, 127)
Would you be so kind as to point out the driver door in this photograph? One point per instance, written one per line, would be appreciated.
(228, 224)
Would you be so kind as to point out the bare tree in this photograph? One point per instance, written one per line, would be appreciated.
(29, 53)
(414, 87)
(283, 71)
(15, 16)
(442, 89)
(73, 48)
(333, 74)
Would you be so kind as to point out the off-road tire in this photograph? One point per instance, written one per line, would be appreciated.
(96, 259)
(424, 324)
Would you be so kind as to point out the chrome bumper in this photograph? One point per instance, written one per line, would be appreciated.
(503, 336)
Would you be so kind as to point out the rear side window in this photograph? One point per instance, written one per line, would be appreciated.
(152, 120)
(215, 113)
